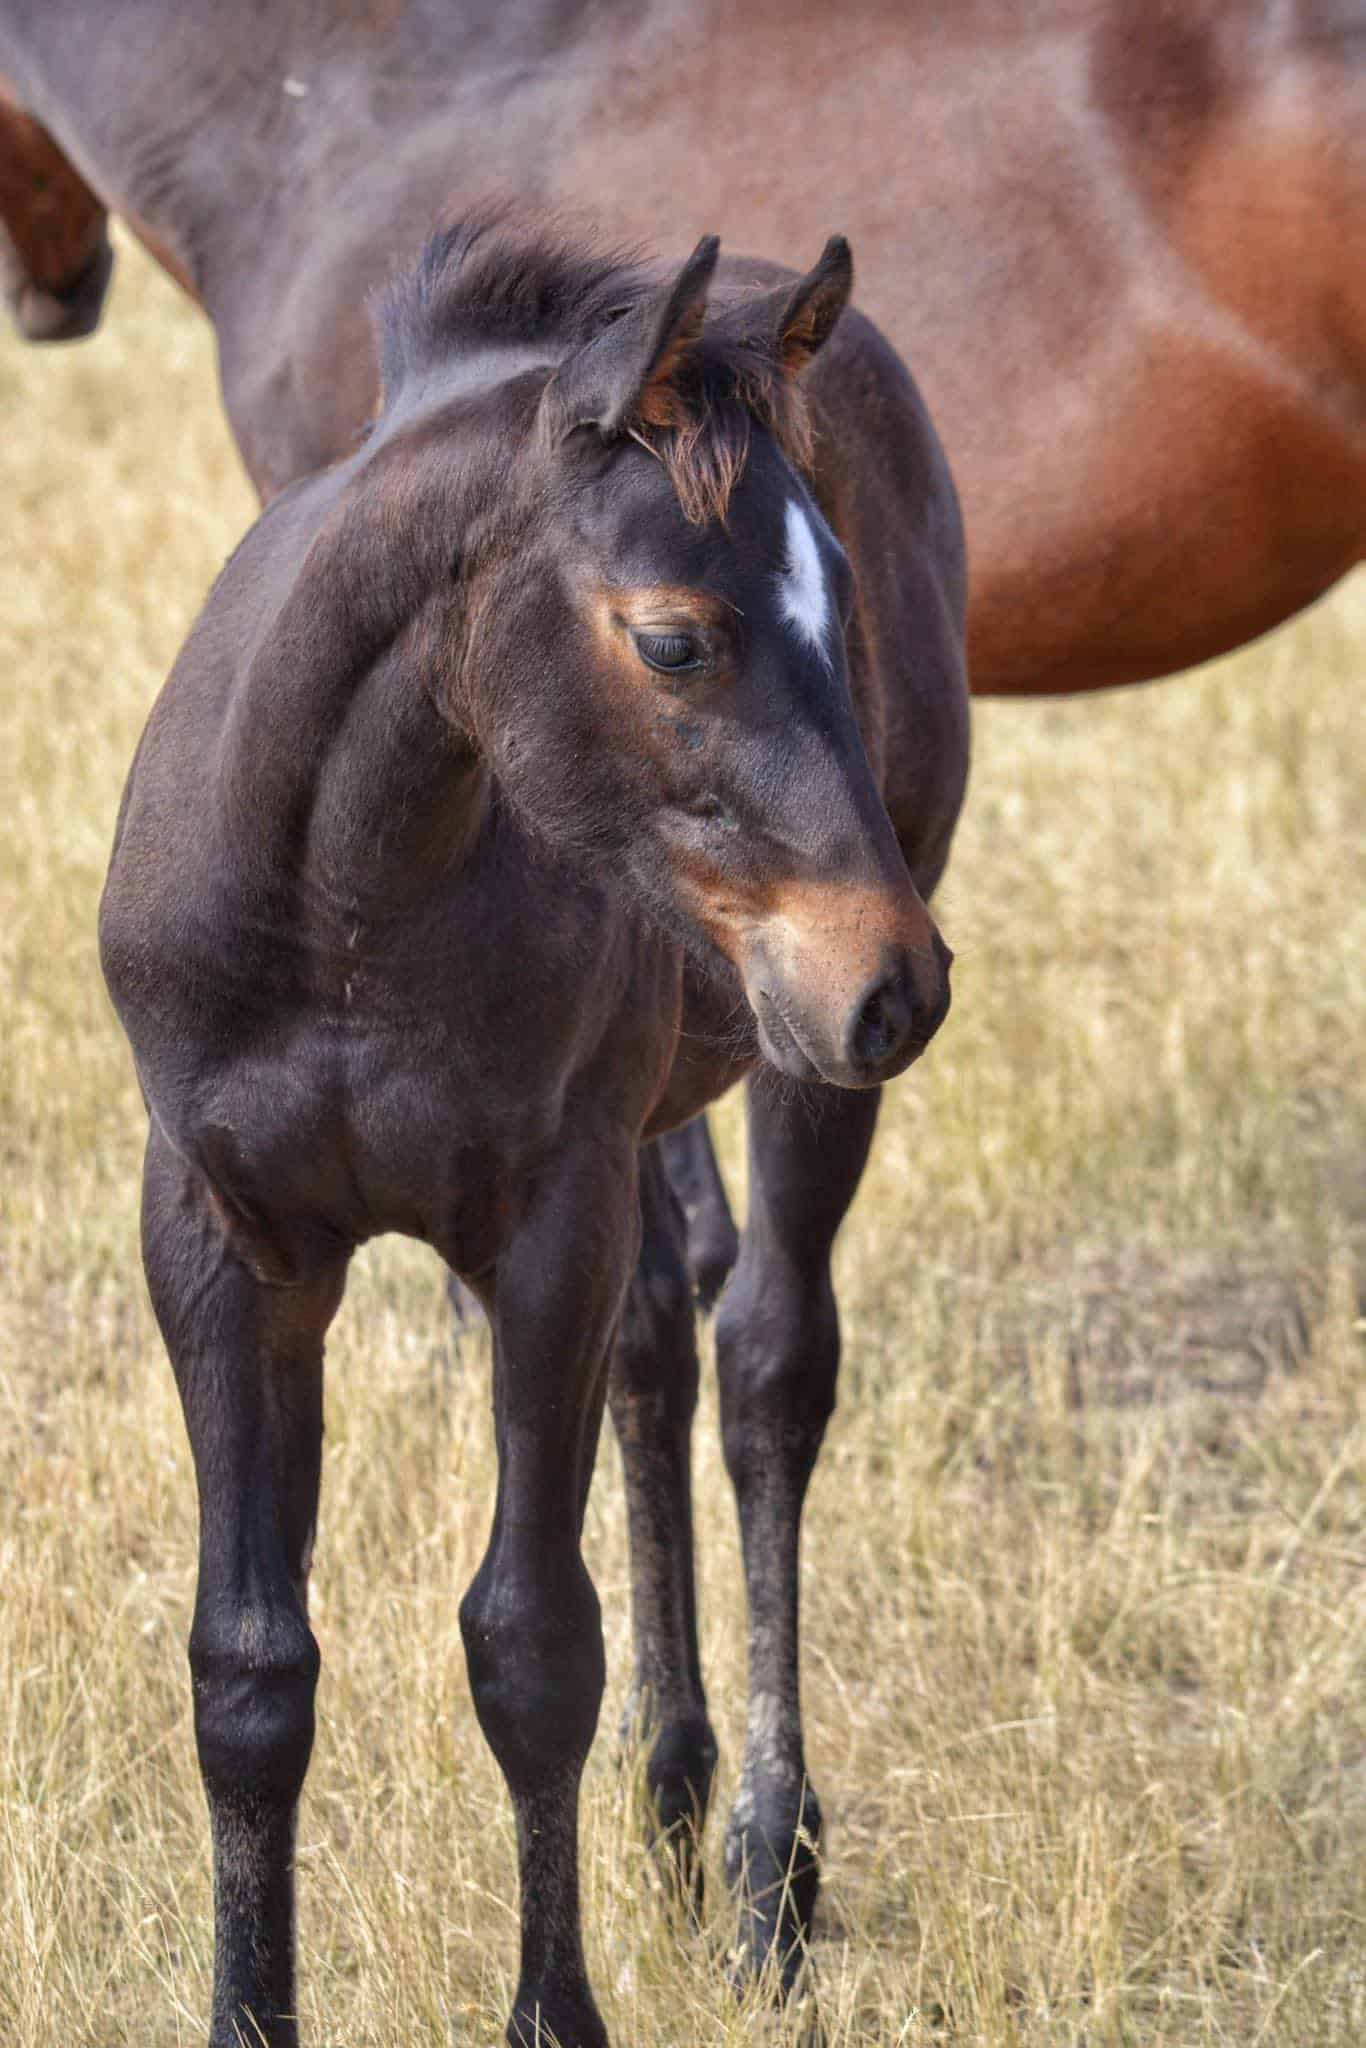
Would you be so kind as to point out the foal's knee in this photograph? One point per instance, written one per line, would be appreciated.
(777, 1355)
(537, 1671)
(255, 1672)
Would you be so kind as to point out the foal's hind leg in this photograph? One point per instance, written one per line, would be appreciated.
(712, 1240)
(653, 1393)
(777, 1348)
(248, 1362)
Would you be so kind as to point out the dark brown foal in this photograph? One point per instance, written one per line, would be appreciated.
(587, 737)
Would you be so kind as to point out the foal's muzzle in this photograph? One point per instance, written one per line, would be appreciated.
(853, 1024)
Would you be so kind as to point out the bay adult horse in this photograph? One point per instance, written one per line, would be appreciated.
(526, 778)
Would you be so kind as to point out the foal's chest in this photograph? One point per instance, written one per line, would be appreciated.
(422, 1091)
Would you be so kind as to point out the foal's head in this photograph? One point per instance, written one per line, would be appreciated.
(645, 640)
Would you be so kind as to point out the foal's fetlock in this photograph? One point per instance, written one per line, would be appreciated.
(534, 2025)
(772, 1860)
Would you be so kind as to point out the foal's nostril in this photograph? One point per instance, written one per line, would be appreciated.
(882, 1025)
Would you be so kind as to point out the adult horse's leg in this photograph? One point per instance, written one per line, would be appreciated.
(531, 1621)
(653, 1393)
(248, 1362)
(55, 258)
(777, 1348)
(712, 1239)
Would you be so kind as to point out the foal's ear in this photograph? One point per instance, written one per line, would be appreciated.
(801, 317)
(626, 370)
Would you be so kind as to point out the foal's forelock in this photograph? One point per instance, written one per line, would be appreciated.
(700, 424)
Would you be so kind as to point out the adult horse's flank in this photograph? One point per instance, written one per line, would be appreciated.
(527, 777)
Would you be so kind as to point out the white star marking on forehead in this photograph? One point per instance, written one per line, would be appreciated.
(803, 598)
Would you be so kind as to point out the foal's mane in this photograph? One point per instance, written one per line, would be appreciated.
(492, 280)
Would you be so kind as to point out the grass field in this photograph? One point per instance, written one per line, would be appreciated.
(1085, 1570)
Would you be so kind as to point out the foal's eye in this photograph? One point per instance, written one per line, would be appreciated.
(668, 652)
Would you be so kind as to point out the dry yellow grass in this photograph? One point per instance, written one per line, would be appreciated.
(1086, 1556)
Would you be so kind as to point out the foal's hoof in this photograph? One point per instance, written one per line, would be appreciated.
(576, 2025)
(772, 1857)
(778, 2020)
(673, 1769)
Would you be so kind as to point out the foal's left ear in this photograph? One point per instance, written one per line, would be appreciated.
(801, 318)
(626, 370)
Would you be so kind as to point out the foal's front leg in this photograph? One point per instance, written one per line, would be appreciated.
(777, 1354)
(531, 1621)
(248, 1362)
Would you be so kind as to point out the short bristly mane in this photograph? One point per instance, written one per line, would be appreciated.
(493, 281)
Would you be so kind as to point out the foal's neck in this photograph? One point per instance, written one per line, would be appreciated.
(341, 785)
(398, 801)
